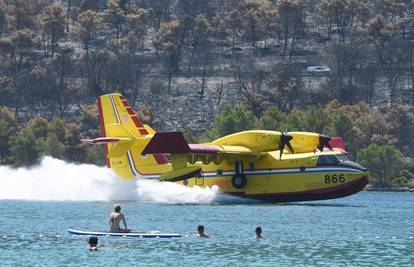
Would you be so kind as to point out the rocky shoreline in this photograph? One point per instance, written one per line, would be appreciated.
(391, 189)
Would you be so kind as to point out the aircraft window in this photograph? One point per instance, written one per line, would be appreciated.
(342, 157)
(219, 172)
(327, 160)
(251, 166)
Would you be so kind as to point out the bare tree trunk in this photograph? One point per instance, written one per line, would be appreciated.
(68, 14)
(232, 44)
(412, 69)
(285, 40)
(203, 81)
(61, 89)
(220, 93)
(392, 83)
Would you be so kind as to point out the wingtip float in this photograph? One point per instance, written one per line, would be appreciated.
(267, 165)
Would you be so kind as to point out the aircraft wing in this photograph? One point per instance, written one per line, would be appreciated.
(182, 153)
(175, 143)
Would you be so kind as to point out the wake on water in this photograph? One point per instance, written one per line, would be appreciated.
(54, 179)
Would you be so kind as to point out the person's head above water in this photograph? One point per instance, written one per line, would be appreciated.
(258, 232)
(93, 242)
(200, 230)
(117, 208)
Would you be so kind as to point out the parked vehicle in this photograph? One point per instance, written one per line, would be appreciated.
(318, 70)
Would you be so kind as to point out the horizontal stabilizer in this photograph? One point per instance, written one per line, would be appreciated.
(181, 174)
(107, 140)
(337, 143)
(167, 142)
(117, 146)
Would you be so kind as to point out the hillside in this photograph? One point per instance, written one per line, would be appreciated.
(180, 62)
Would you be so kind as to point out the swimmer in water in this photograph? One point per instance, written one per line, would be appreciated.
(93, 243)
(115, 219)
(259, 232)
(200, 230)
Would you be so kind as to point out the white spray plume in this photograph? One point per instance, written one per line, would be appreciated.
(54, 179)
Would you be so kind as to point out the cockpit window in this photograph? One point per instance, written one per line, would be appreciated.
(327, 160)
(342, 157)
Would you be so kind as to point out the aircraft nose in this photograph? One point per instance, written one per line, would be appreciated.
(353, 165)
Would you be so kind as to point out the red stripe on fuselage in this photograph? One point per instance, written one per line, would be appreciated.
(101, 118)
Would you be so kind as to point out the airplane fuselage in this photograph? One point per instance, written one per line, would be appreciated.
(297, 177)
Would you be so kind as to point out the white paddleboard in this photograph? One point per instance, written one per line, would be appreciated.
(152, 234)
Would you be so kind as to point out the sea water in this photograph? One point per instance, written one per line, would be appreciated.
(38, 205)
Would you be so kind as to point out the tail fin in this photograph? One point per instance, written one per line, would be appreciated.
(337, 143)
(124, 138)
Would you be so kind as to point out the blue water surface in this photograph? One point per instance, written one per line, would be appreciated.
(366, 229)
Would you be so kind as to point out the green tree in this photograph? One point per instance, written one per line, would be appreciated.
(372, 128)
(73, 148)
(296, 121)
(283, 89)
(233, 21)
(24, 42)
(62, 65)
(115, 15)
(169, 40)
(54, 24)
(201, 32)
(273, 119)
(253, 19)
(344, 127)
(7, 50)
(383, 162)
(3, 17)
(345, 15)
(54, 147)
(219, 31)
(316, 120)
(231, 120)
(25, 148)
(87, 28)
(38, 125)
(8, 128)
(22, 14)
(95, 155)
(400, 123)
(138, 23)
(378, 32)
(57, 127)
(90, 120)
(404, 177)
(290, 17)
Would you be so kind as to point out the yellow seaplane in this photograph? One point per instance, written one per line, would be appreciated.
(265, 165)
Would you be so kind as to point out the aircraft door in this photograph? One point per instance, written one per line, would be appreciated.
(199, 179)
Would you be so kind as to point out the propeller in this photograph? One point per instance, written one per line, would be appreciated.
(285, 140)
(324, 141)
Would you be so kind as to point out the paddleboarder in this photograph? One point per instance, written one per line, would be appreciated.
(115, 219)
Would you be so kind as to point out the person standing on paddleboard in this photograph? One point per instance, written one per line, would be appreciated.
(115, 219)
